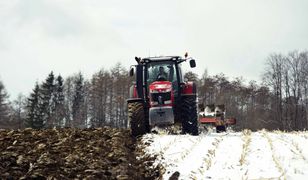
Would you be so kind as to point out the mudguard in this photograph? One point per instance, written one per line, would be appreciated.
(189, 88)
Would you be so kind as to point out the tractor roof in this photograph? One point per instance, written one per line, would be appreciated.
(178, 59)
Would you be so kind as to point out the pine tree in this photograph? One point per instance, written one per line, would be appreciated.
(47, 107)
(34, 116)
(58, 102)
(78, 102)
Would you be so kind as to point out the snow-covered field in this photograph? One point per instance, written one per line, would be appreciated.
(240, 155)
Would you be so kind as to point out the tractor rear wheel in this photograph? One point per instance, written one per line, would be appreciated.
(136, 118)
(189, 115)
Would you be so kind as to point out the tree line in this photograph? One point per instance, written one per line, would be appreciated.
(70, 102)
(287, 76)
(279, 102)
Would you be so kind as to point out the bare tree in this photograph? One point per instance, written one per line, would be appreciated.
(4, 106)
(273, 77)
(19, 111)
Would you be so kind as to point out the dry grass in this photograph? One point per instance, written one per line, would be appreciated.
(207, 160)
(274, 157)
(299, 150)
(247, 139)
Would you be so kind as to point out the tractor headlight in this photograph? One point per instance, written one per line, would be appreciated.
(154, 91)
(160, 91)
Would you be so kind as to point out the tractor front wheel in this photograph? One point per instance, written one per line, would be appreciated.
(136, 118)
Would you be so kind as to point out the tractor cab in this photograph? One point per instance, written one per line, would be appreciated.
(163, 72)
(159, 69)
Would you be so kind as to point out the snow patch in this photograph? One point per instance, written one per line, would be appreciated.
(236, 155)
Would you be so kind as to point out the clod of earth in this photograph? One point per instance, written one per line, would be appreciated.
(103, 153)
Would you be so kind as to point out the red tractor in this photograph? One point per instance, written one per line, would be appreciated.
(161, 97)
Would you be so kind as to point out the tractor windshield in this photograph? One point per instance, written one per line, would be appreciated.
(162, 71)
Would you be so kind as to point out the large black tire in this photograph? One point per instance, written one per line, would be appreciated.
(136, 118)
(189, 115)
(220, 129)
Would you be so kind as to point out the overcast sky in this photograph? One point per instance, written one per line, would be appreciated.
(67, 36)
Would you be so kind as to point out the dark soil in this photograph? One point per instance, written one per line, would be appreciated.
(104, 153)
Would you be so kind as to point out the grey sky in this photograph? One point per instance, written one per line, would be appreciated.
(67, 36)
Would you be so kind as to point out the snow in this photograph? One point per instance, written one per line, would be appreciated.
(259, 161)
(232, 155)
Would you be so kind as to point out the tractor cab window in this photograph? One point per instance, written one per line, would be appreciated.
(162, 71)
(180, 73)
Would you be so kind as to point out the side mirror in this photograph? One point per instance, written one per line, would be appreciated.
(131, 71)
(192, 63)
